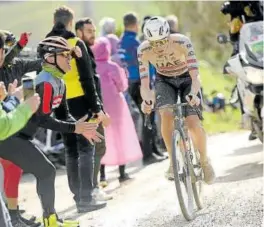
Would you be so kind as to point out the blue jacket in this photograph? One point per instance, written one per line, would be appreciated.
(128, 45)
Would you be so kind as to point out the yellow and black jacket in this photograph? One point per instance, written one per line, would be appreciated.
(251, 10)
(82, 92)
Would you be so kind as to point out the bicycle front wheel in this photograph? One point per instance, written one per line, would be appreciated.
(197, 178)
(182, 175)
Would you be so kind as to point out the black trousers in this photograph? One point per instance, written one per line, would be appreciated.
(99, 153)
(29, 158)
(148, 144)
(80, 166)
(79, 156)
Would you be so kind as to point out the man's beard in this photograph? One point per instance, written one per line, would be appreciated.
(91, 41)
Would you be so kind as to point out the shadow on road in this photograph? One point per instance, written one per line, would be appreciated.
(242, 172)
(247, 150)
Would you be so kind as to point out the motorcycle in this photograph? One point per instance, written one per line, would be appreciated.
(247, 67)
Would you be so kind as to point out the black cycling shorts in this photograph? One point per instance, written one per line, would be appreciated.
(167, 90)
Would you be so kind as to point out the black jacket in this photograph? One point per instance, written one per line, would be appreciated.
(15, 69)
(96, 78)
(237, 9)
(91, 100)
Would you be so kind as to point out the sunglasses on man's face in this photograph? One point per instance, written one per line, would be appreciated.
(159, 43)
(67, 54)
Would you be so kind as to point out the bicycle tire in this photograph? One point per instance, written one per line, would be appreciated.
(188, 215)
(197, 192)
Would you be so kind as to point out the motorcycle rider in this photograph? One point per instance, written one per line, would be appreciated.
(241, 12)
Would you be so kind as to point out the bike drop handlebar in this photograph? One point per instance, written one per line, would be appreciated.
(147, 121)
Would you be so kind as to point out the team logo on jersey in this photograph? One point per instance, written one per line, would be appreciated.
(179, 42)
(169, 64)
(56, 101)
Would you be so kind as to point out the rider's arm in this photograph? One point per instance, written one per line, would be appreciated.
(143, 65)
(43, 117)
(192, 65)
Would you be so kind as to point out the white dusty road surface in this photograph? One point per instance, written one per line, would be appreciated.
(150, 201)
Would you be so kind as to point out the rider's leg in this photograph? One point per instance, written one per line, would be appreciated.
(166, 94)
(197, 131)
(167, 127)
(198, 136)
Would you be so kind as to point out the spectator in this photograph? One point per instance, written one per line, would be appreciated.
(129, 43)
(108, 26)
(173, 23)
(9, 71)
(218, 102)
(122, 144)
(10, 123)
(82, 98)
(85, 30)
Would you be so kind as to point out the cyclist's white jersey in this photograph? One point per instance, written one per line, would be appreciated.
(177, 59)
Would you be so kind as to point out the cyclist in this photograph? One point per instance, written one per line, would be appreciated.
(55, 54)
(177, 73)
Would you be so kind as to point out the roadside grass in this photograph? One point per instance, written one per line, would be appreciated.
(225, 121)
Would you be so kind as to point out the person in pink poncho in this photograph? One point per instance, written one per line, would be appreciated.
(122, 145)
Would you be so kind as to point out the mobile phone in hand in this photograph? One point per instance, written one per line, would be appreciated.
(29, 88)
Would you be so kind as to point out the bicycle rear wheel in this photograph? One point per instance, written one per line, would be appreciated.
(182, 175)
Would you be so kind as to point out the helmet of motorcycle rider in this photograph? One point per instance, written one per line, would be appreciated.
(156, 28)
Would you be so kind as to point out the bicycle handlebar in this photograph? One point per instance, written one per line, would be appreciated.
(147, 121)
